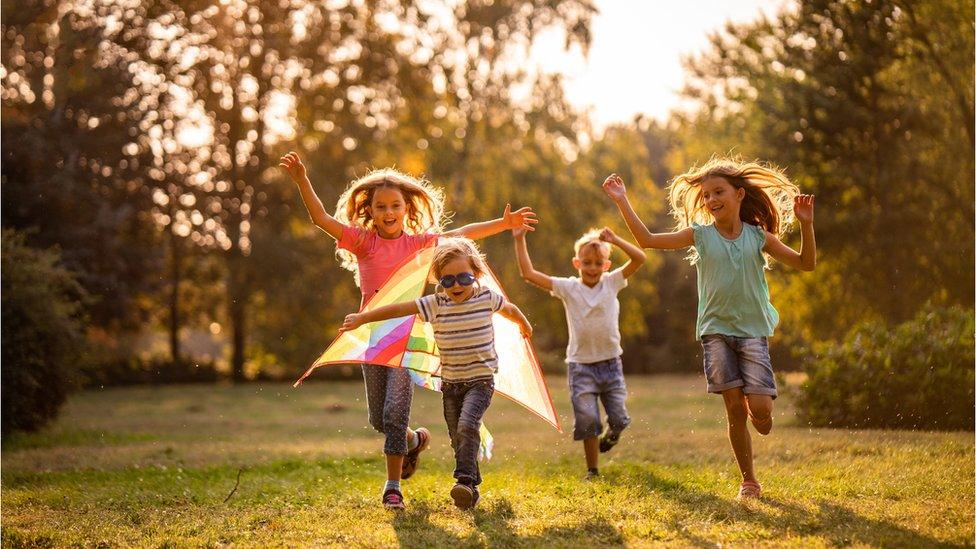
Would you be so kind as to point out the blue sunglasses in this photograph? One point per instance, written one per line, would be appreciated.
(464, 279)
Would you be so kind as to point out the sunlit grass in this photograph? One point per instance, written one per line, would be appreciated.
(151, 466)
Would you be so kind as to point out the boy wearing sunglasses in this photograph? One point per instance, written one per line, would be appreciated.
(593, 355)
(461, 314)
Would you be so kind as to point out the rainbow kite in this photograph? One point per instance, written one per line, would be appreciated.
(408, 342)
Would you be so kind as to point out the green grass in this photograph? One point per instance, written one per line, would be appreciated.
(153, 466)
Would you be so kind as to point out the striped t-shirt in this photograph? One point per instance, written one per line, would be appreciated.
(464, 333)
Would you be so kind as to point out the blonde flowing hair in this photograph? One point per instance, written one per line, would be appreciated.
(424, 204)
(768, 202)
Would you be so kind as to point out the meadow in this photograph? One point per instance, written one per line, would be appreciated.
(270, 465)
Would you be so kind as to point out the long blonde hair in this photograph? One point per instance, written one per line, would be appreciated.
(768, 202)
(424, 204)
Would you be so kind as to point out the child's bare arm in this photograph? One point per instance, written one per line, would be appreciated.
(394, 310)
(614, 187)
(806, 258)
(292, 164)
(636, 255)
(521, 218)
(513, 313)
(529, 274)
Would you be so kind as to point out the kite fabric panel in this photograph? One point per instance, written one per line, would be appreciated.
(408, 342)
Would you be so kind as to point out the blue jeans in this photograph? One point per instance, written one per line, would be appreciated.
(465, 404)
(588, 383)
(732, 361)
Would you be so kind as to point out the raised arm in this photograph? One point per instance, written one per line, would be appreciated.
(394, 310)
(513, 313)
(806, 258)
(636, 255)
(520, 218)
(529, 274)
(614, 187)
(292, 164)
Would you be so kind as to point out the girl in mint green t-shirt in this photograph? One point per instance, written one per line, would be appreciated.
(733, 214)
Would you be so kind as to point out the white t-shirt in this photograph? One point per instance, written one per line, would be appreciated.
(593, 316)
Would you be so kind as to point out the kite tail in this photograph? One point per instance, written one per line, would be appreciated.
(487, 443)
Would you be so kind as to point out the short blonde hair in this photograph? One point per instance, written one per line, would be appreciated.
(451, 248)
(592, 238)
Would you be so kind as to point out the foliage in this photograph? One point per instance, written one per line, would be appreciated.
(41, 333)
(917, 375)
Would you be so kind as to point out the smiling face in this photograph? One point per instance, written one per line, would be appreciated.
(721, 198)
(388, 208)
(591, 262)
(456, 266)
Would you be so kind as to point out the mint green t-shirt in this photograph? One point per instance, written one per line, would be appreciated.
(733, 297)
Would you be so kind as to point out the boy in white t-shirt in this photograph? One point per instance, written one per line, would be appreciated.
(593, 355)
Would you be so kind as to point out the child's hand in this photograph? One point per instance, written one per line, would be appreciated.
(803, 208)
(522, 218)
(292, 164)
(351, 322)
(519, 232)
(614, 187)
(607, 235)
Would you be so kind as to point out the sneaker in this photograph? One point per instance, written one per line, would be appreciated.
(749, 489)
(412, 459)
(393, 499)
(477, 496)
(463, 496)
(608, 440)
(592, 474)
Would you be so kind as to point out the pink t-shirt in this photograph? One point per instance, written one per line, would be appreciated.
(378, 257)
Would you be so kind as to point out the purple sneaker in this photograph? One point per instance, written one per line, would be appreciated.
(393, 499)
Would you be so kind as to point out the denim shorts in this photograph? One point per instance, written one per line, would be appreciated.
(590, 383)
(732, 361)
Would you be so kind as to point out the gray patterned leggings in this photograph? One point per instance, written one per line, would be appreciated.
(389, 392)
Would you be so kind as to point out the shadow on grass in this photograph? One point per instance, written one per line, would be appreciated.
(493, 521)
(834, 523)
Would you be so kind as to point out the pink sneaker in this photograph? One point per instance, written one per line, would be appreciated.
(750, 489)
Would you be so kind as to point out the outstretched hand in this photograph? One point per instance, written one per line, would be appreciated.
(803, 208)
(522, 218)
(351, 322)
(292, 164)
(614, 187)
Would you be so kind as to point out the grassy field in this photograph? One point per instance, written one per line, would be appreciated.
(154, 466)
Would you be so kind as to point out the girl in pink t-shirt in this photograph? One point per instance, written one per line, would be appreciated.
(380, 220)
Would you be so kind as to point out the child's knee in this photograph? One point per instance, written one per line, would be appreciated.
(736, 410)
(468, 429)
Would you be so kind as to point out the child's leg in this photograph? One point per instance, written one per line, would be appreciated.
(374, 377)
(474, 400)
(761, 412)
(760, 383)
(613, 394)
(583, 392)
(591, 448)
(737, 411)
(396, 411)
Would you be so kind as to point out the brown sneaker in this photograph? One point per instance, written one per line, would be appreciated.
(463, 496)
(412, 459)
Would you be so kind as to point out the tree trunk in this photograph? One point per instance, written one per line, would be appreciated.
(176, 259)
